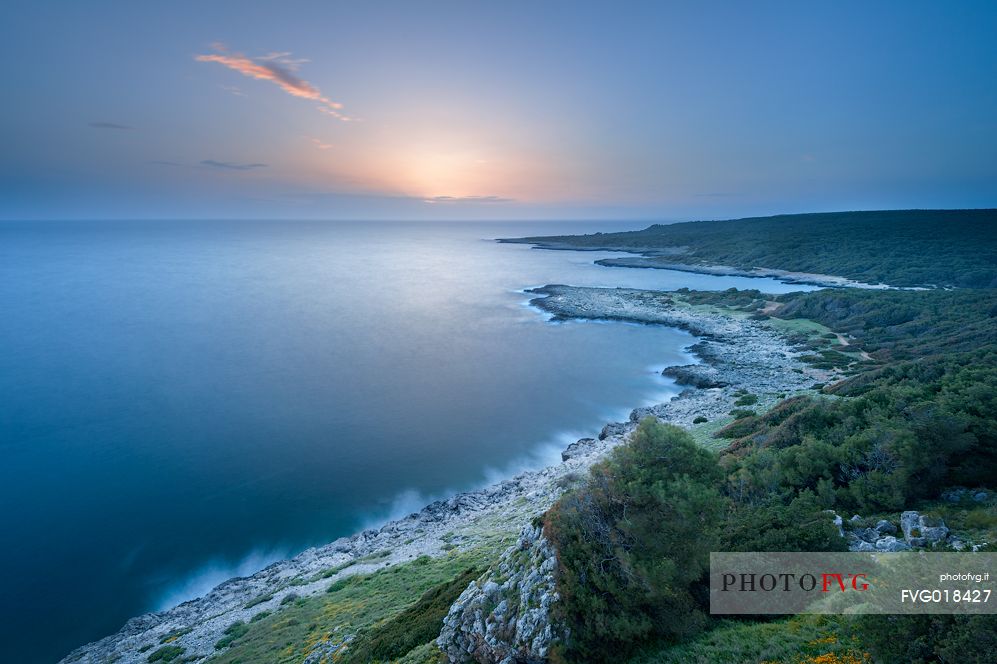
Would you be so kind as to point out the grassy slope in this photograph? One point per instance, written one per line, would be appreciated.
(797, 640)
(901, 247)
(353, 605)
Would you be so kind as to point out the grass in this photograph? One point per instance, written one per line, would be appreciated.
(797, 640)
(166, 654)
(416, 625)
(232, 633)
(258, 600)
(703, 433)
(174, 635)
(352, 606)
(803, 326)
(427, 653)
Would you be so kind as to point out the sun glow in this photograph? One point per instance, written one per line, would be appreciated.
(433, 173)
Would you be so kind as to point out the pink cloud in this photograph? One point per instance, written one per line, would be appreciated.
(278, 68)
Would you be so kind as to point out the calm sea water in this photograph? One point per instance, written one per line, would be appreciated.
(181, 402)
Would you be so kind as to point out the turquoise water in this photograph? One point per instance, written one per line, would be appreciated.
(185, 401)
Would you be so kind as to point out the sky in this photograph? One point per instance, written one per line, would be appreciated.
(498, 110)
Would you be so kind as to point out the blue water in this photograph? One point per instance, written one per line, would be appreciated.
(185, 401)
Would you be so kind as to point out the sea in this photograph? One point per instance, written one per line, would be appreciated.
(186, 401)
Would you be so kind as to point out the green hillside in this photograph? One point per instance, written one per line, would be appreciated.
(945, 248)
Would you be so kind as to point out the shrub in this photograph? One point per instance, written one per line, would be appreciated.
(747, 400)
(923, 639)
(232, 632)
(258, 600)
(166, 654)
(339, 584)
(634, 541)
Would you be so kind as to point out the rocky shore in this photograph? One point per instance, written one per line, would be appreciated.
(737, 355)
(667, 259)
(666, 263)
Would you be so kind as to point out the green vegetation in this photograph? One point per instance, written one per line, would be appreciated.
(232, 634)
(258, 600)
(910, 430)
(924, 639)
(800, 640)
(166, 654)
(898, 325)
(917, 414)
(634, 540)
(746, 400)
(360, 605)
(416, 625)
(929, 248)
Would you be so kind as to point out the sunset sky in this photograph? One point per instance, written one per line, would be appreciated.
(370, 110)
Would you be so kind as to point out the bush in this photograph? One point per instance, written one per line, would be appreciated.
(747, 400)
(634, 541)
(166, 654)
(232, 632)
(923, 639)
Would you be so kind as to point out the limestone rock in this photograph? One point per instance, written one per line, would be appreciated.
(922, 530)
(505, 616)
(582, 447)
(884, 527)
(890, 543)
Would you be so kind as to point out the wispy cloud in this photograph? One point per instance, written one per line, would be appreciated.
(231, 165)
(278, 68)
(468, 199)
(322, 145)
(108, 125)
(234, 90)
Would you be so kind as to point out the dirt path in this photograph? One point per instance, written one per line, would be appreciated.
(845, 343)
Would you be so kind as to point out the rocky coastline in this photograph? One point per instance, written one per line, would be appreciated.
(666, 259)
(735, 355)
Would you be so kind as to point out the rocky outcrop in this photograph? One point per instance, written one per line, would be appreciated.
(922, 530)
(884, 527)
(581, 447)
(959, 493)
(613, 429)
(505, 616)
(919, 531)
(702, 376)
(875, 539)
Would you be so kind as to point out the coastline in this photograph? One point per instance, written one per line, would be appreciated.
(663, 259)
(735, 354)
